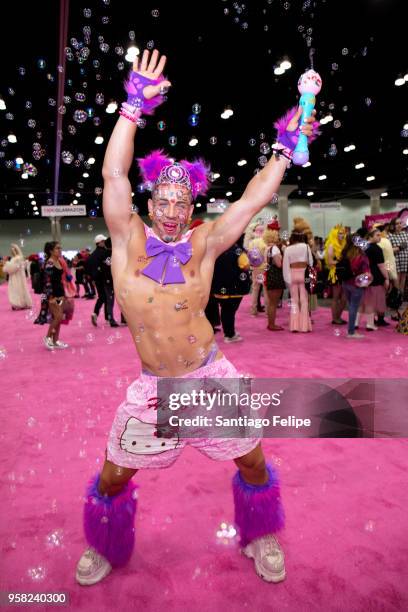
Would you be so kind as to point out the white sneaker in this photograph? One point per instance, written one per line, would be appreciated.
(92, 568)
(355, 335)
(236, 338)
(61, 345)
(372, 328)
(268, 556)
(48, 343)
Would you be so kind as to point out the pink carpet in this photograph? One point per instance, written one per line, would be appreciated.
(346, 501)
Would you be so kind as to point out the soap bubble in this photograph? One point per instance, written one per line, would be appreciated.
(31, 123)
(213, 140)
(337, 332)
(161, 125)
(80, 96)
(150, 44)
(104, 47)
(80, 116)
(67, 157)
(54, 539)
(105, 20)
(231, 179)
(119, 50)
(196, 109)
(193, 120)
(87, 13)
(36, 573)
(51, 102)
(337, 123)
(264, 148)
(155, 13)
(345, 51)
(252, 142)
(262, 160)
(72, 129)
(99, 98)
(172, 141)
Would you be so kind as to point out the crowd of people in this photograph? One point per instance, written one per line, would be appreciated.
(364, 272)
(59, 281)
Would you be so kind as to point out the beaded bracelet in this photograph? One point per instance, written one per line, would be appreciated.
(129, 112)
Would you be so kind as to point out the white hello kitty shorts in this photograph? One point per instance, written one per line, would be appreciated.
(133, 442)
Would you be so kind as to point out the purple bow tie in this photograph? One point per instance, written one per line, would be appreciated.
(167, 259)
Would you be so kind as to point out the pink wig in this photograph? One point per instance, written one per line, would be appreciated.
(152, 165)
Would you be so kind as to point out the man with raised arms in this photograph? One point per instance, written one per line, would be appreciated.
(162, 277)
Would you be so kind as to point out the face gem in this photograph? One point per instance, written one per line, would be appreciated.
(181, 305)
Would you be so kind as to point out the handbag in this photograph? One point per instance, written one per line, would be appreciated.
(394, 299)
(310, 277)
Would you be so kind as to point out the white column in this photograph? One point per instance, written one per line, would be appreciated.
(375, 200)
(284, 192)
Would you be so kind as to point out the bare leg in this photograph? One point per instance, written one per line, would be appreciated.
(252, 467)
(114, 478)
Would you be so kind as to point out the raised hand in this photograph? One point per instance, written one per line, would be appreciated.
(307, 127)
(151, 69)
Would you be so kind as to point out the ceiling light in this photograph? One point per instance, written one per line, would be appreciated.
(24, 175)
(322, 177)
(75, 201)
(11, 138)
(91, 161)
(384, 194)
(405, 152)
(212, 199)
(111, 108)
(306, 165)
(216, 175)
(326, 119)
(78, 195)
(242, 162)
(19, 161)
(99, 140)
(310, 193)
(400, 81)
(193, 142)
(279, 70)
(85, 175)
(31, 195)
(33, 202)
(405, 126)
(349, 148)
(36, 212)
(358, 166)
(229, 193)
(2, 104)
(370, 178)
(132, 53)
(198, 204)
(286, 65)
(406, 77)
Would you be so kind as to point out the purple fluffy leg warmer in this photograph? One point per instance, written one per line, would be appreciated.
(109, 522)
(258, 508)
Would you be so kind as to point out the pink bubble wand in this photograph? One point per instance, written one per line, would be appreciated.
(309, 85)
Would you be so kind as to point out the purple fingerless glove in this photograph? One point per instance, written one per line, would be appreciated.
(134, 88)
(289, 139)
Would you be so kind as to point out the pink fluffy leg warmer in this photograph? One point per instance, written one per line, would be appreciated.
(258, 508)
(109, 522)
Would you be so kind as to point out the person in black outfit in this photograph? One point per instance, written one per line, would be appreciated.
(54, 291)
(99, 268)
(231, 281)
